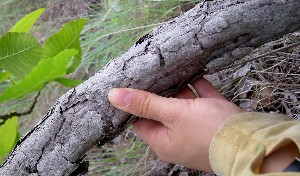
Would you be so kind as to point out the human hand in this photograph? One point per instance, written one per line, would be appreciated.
(180, 129)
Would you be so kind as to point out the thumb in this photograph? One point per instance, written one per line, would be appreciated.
(148, 105)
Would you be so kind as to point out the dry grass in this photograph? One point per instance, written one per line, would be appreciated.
(268, 84)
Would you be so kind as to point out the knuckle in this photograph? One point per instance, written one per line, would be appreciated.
(143, 105)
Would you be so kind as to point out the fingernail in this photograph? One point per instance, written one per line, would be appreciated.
(120, 97)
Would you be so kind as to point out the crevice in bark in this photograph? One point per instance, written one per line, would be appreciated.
(142, 39)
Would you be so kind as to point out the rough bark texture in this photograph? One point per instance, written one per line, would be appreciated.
(160, 62)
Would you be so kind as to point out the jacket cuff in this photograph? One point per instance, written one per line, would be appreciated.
(238, 148)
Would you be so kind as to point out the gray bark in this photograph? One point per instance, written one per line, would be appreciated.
(161, 62)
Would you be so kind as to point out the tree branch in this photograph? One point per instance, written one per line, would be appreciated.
(26, 112)
(160, 62)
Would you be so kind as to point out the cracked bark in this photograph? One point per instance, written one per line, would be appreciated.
(161, 62)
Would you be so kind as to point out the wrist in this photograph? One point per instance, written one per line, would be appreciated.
(280, 159)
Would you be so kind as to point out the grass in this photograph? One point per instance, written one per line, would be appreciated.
(119, 24)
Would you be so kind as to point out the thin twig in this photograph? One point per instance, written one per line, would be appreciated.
(255, 58)
(12, 114)
(130, 29)
(272, 73)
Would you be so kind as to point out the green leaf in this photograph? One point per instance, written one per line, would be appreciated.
(19, 53)
(26, 23)
(9, 135)
(66, 38)
(18, 137)
(68, 82)
(4, 76)
(46, 70)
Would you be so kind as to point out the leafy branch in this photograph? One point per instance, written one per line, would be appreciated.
(26, 112)
(27, 65)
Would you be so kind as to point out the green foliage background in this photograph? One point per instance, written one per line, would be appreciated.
(27, 66)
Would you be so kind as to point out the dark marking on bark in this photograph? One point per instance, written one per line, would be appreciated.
(73, 92)
(74, 104)
(142, 39)
(30, 170)
(162, 61)
(172, 21)
(124, 67)
(121, 127)
(277, 46)
(83, 168)
(236, 3)
(61, 110)
(245, 36)
(146, 47)
(197, 42)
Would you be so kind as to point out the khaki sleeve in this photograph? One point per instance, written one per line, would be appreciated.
(238, 148)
